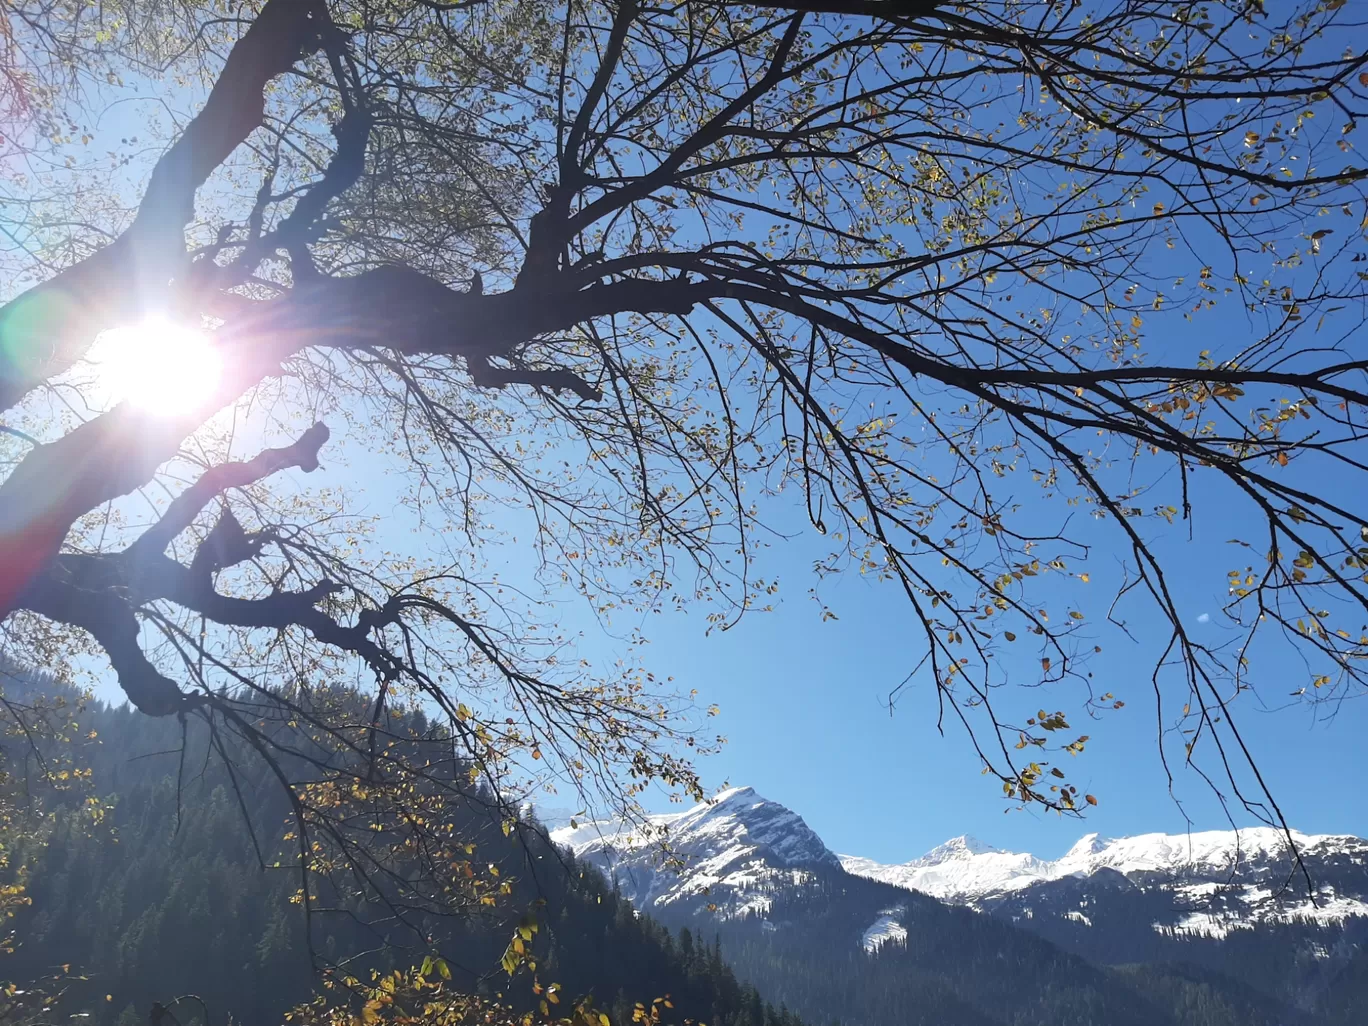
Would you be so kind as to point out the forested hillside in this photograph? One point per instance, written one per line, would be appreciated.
(166, 896)
(969, 969)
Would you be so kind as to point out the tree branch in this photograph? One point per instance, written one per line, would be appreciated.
(91, 592)
(46, 329)
(890, 10)
(393, 308)
(188, 504)
(487, 375)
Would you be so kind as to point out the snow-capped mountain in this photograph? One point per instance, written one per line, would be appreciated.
(731, 851)
(959, 868)
(738, 847)
(1218, 918)
(965, 868)
(1218, 880)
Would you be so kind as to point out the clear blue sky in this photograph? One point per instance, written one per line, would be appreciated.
(804, 701)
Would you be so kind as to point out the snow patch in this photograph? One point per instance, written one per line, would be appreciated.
(888, 927)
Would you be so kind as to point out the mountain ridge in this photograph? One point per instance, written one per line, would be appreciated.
(1147, 852)
(733, 842)
(1097, 947)
(1253, 871)
(739, 822)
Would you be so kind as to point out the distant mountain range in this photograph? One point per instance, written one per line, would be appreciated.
(1218, 880)
(1220, 921)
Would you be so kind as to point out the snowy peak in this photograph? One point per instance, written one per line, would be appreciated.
(964, 868)
(743, 816)
(1087, 845)
(1208, 854)
(962, 847)
(955, 870)
(735, 818)
(731, 849)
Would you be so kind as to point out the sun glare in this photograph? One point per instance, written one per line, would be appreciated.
(157, 365)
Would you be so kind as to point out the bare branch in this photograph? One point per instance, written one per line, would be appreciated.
(302, 453)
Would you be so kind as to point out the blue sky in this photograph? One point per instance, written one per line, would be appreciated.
(805, 700)
(803, 703)
(805, 708)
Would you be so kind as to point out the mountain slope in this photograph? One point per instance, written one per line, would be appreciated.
(736, 848)
(1234, 904)
(1219, 880)
(832, 943)
(167, 897)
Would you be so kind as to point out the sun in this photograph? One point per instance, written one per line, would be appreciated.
(157, 365)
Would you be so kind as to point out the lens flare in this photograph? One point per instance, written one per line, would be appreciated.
(157, 365)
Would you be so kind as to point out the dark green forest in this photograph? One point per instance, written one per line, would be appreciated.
(166, 896)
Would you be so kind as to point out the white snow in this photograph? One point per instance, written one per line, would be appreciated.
(731, 856)
(1218, 925)
(964, 869)
(730, 851)
(734, 814)
(956, 869)
(887, 927)
(1205, 924)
